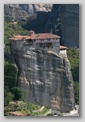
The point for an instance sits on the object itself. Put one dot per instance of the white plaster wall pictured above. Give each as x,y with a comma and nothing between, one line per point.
63,53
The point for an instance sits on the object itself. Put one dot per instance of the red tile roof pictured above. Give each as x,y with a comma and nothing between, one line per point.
62,47
44,36
19,37
36,36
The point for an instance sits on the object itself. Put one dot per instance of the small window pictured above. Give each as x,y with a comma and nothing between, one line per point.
48,39
29,41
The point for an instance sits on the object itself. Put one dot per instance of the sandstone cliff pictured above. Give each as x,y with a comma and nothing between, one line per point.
45,77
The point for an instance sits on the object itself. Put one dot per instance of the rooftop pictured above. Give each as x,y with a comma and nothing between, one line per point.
19,37
36,36
44,36
63,47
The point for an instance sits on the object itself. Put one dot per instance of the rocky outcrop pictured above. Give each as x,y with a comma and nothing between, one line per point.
53,24
25,12
15,11
45,77
70,24
33,8
60,19
64,21
37,22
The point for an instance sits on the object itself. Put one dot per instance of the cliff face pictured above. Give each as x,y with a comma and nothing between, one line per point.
60,19
53,24
70,24
64,21
25,12
31,16
45,77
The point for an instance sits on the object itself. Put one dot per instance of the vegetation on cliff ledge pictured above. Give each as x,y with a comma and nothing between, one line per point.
28,108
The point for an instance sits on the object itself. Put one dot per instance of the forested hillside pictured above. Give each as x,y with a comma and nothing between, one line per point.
73,56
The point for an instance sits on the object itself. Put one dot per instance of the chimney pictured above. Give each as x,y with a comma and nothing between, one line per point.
31,32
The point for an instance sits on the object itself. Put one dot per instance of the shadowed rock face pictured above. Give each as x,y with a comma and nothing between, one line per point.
64,21
45,77
25,12
31,16
60,19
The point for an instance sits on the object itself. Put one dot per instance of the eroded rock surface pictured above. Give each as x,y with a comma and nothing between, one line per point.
64,21
60,19
45,77
25,12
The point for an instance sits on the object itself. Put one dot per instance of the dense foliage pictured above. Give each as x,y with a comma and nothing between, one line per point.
76,92
11,91
11,28
73,56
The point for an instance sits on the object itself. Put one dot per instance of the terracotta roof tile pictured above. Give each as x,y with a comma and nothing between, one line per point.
36,36
62,47
44,36
19,37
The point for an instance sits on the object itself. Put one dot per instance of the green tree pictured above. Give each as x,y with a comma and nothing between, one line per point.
11,90
73,56
18,92
11,29
8,96
76,92
10,75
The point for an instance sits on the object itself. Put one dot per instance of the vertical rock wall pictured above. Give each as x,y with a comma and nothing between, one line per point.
64,21
45,78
